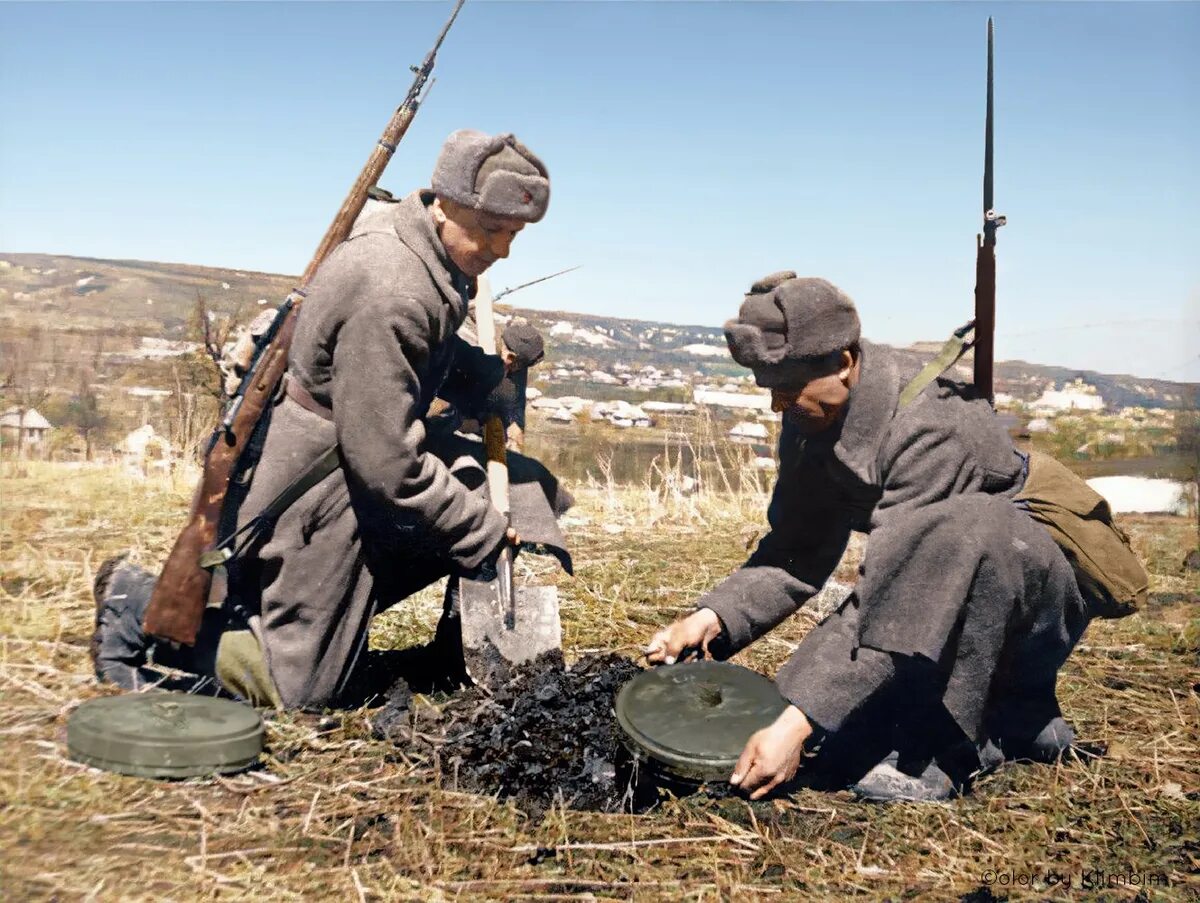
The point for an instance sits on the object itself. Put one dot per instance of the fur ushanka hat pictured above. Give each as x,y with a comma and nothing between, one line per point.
493,173
786,323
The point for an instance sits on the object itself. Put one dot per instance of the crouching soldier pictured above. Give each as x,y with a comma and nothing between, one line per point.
375,343
521,348
944,659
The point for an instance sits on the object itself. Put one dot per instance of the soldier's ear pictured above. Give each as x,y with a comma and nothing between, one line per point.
439,213
846,366
850,365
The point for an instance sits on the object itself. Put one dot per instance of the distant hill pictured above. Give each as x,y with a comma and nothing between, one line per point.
131,298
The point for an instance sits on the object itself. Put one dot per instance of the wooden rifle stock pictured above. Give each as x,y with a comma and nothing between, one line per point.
181,594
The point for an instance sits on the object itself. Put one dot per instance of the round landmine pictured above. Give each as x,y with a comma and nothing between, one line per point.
165,735
691,721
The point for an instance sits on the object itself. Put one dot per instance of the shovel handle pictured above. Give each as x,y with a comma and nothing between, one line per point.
494,441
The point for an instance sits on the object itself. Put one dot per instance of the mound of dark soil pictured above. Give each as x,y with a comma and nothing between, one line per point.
548,734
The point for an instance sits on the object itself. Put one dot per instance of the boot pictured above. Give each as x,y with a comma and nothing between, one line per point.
1031,726
119,648
888,782
1054,741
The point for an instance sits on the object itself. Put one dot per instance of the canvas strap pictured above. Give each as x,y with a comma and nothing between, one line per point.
956,346
235,542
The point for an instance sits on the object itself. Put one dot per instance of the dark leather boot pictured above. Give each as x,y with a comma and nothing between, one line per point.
119,648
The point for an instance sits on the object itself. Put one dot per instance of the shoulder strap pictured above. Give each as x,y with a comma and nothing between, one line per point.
232,544
956,346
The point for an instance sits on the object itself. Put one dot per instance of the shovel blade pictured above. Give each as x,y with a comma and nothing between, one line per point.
491,648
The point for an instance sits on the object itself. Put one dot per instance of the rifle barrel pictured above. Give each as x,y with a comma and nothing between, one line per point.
381,155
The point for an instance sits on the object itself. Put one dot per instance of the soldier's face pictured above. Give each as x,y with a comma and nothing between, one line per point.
474,240
818,403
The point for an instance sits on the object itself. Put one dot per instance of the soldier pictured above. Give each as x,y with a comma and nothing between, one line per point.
965,608
521,348
375,343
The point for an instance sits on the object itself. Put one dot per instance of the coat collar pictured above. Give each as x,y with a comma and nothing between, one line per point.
415,228
873,403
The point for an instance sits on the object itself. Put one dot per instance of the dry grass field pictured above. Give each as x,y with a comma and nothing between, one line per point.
335,814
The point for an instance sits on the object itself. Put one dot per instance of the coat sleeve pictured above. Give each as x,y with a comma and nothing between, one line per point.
473,376
381,363
809,532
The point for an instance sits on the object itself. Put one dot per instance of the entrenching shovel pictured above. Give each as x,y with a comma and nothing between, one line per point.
503,625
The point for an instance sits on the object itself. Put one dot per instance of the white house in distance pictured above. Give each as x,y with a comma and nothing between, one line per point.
738,400
705,350
621,414
1074,396
1039,425
668,407
144,451
26,427
748,432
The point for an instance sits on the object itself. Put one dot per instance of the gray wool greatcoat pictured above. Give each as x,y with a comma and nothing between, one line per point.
955,574
375,342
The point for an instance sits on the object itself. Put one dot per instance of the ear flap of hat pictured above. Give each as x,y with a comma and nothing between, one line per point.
515,195
527,154
820,317
748,346
772,282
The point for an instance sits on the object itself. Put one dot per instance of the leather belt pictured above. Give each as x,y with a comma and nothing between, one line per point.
303,397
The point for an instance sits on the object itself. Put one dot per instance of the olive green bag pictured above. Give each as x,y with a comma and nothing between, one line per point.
1081,523
1076,516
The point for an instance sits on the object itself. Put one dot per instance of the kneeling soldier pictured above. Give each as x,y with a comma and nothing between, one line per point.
375,343
944,659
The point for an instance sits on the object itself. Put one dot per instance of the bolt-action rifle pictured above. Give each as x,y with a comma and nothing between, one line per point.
181,594
517,288
985,256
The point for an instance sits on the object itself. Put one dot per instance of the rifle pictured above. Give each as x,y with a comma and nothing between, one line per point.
181,593
985,256
517,288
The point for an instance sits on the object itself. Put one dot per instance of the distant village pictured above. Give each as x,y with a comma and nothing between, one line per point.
739,395
743,411
613,378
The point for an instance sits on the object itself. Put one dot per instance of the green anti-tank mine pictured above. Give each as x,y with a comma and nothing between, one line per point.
165,735
691,721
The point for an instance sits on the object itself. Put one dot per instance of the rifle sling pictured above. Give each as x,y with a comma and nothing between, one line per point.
956,346
233,544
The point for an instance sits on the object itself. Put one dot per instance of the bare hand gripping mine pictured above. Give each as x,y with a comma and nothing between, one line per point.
181,594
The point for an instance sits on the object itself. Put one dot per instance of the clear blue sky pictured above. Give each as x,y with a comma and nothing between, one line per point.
693,147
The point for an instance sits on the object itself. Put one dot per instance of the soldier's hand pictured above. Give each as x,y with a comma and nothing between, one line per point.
516,438
687,635
511,364
513,537
772,754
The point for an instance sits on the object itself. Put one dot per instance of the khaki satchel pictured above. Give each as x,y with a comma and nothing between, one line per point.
1077,517
1081,523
